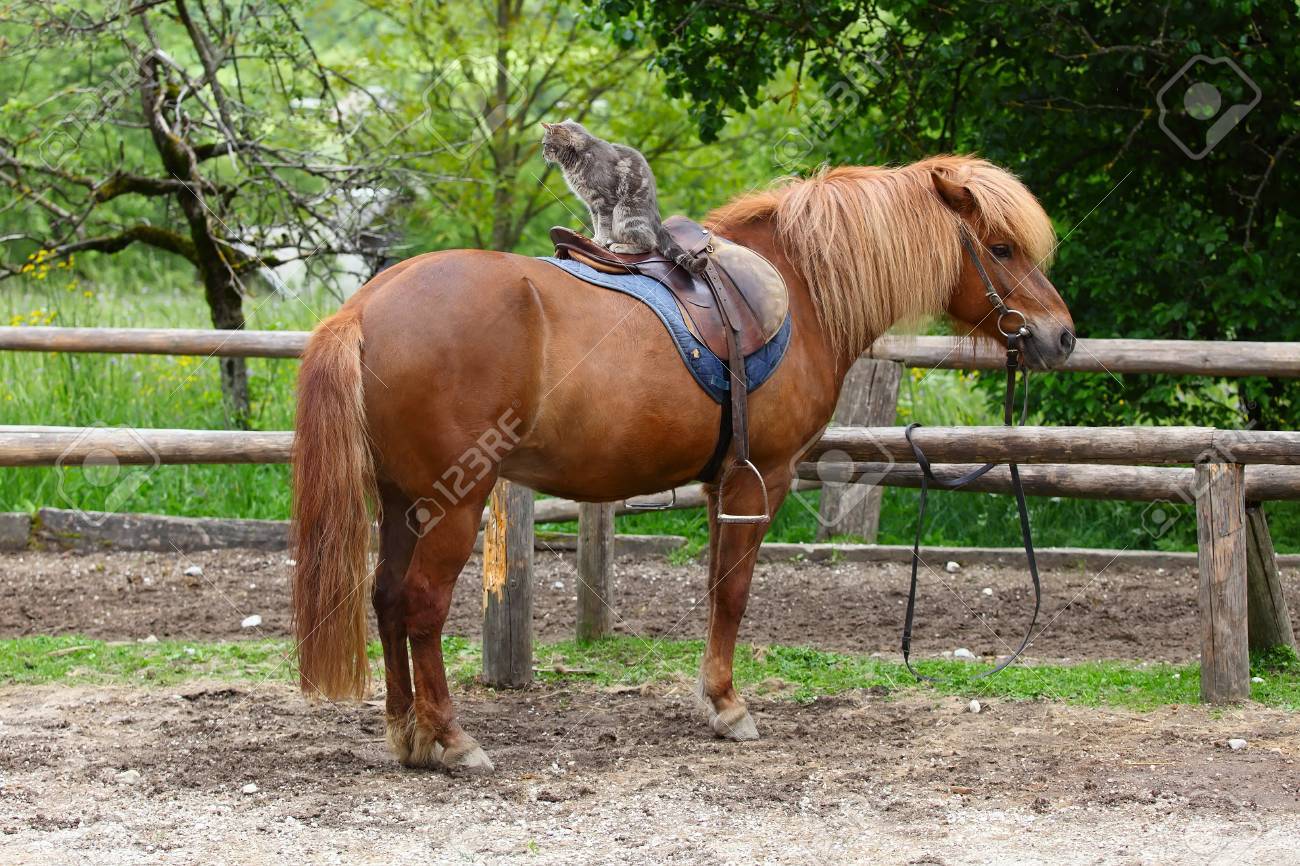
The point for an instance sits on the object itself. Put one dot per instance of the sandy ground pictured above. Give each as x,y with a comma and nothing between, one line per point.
94,775
603,776
1114,613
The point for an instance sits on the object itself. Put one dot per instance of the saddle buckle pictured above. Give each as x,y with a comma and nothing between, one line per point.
723,517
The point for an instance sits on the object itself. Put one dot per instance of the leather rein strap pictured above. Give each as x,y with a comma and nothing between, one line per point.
1014,353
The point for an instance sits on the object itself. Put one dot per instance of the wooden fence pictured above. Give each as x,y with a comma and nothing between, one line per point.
1239,580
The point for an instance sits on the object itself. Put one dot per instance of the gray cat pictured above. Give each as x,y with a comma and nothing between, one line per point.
616,184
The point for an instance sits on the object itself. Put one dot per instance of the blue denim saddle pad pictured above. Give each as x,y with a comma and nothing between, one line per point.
706,367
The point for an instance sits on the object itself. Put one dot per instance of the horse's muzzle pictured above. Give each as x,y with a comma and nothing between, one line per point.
1048,347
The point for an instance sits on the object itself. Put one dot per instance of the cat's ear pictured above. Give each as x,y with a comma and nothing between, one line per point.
547,126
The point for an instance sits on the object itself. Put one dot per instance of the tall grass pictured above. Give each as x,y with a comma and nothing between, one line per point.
164,391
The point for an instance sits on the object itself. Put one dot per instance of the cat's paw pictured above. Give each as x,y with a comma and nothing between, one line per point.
627,248
694,264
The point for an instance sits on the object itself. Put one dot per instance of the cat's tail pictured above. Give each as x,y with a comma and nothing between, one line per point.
672,250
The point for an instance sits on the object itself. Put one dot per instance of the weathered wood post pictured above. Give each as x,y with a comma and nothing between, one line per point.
1221,542
1266,610
508,587
595,570
869,399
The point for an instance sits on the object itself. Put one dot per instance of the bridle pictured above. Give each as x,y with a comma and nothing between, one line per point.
1014,352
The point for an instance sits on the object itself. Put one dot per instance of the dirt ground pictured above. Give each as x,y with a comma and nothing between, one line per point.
101,776
96,775
1118,612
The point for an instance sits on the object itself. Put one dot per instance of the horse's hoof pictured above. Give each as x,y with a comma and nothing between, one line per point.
468,757
735,724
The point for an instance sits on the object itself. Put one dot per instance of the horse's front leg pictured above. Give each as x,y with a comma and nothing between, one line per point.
733,549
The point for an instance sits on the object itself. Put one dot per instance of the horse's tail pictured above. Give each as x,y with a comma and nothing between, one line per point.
333,475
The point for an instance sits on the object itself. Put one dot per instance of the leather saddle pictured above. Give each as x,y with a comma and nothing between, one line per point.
755,291
735,306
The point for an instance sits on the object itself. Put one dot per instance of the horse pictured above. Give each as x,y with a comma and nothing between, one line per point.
455,368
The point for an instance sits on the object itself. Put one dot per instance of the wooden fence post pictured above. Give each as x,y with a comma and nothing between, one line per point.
508,587
869,399
1221,541
1266,610
595,570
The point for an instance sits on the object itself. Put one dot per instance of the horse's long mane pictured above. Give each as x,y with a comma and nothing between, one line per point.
877,245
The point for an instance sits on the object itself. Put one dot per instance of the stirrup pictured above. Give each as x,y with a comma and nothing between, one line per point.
723,517
653,506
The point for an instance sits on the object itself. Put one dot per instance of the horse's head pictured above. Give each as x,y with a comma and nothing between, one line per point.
1006,241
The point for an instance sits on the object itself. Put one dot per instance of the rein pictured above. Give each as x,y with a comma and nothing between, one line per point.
1014,353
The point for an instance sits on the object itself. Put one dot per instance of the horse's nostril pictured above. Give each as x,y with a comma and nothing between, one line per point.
1067,341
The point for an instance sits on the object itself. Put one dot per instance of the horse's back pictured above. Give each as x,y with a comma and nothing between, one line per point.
584,384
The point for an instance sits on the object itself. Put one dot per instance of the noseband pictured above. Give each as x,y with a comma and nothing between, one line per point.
1014,351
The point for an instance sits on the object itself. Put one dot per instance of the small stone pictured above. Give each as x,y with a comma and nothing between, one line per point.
1257,680
128,777
1236,744
250,788
194,571
975,707
559,584
962,653
952,567
153,638
988,590
251,621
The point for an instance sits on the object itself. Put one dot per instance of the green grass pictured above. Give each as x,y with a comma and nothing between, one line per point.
781,672
163,391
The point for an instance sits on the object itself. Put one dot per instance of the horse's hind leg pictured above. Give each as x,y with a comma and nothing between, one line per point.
733,550
396,544
434,736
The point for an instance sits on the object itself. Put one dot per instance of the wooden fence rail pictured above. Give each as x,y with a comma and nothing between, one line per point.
1121,446
1239,580
156,341
1219,491
1172,357
1072,481
1164,357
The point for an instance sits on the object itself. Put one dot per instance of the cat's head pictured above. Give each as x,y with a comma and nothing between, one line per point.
563,139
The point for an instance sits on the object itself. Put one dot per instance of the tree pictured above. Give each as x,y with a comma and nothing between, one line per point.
477,79
211,131
1175,222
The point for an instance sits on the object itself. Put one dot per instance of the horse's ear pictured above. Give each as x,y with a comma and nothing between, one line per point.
954,193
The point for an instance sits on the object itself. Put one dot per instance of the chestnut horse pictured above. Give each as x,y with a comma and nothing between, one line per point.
452,369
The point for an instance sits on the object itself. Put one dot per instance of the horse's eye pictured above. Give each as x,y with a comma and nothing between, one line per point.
1001,251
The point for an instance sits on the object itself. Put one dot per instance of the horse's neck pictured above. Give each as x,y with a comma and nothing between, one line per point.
760,236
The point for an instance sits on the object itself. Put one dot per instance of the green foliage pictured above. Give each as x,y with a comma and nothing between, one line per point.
1275,660
781,672
1156,244
473,88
